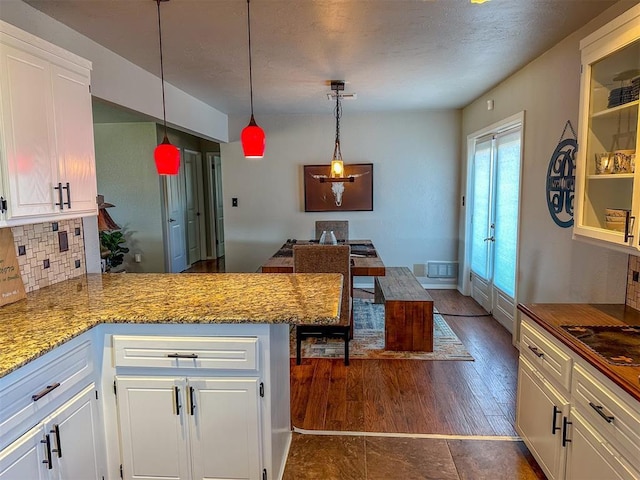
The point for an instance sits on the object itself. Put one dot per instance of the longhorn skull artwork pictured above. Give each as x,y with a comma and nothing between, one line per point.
337,188
325,194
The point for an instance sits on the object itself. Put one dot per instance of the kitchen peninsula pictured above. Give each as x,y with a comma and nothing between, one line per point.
199,364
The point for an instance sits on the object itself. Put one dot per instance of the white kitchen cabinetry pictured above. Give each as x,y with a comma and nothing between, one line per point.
609,125
64,446
577,423
47,154
542,410
182,428
190,407
589,457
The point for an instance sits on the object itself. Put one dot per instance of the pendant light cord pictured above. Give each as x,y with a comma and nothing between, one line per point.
250,71
338,113
164,110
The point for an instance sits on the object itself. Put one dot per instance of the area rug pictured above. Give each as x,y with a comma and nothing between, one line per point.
368,339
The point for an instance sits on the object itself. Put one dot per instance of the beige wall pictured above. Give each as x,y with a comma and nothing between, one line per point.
416,175
127,178
552,266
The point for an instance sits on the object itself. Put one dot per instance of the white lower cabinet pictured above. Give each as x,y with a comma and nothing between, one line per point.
189,427
579,425
541,419
64,446
590,458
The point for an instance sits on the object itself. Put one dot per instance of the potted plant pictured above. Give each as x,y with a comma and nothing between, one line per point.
112,248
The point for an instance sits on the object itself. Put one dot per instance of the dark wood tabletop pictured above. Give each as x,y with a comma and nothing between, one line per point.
365,261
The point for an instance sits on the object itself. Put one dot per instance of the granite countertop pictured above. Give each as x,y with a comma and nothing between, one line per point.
551,316
53,315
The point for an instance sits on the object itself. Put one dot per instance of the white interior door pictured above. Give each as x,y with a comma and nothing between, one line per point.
494,221
175,217
219,211
192,205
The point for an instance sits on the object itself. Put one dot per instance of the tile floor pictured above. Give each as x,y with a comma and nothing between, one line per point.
344,457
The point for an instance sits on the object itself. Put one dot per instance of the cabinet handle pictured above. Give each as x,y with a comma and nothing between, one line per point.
565,423
48,461
556,411
600,411
628,225
47,390
536,352
68,189
182,355
58,449
192,404
3,204
176,391
60,202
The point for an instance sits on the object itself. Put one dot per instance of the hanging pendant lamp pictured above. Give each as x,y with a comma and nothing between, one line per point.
252,136
166,155
337,165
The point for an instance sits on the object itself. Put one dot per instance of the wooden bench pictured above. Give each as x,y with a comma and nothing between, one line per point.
408,311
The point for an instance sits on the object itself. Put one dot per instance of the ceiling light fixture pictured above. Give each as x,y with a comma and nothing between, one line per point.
252,136
479,1
166,155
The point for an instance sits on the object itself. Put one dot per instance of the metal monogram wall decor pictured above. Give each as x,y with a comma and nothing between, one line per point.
561,179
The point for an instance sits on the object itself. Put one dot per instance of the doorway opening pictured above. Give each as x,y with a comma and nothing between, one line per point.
193,212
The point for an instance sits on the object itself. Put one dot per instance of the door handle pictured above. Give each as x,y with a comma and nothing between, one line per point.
490,239
171,220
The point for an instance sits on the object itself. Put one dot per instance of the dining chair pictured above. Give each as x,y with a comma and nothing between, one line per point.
340,228
326,259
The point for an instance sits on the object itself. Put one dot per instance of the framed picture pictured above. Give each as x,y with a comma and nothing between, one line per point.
355,193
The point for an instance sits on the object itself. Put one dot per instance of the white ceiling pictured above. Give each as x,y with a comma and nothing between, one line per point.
395,54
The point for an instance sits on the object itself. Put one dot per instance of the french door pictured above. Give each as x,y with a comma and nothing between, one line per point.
495,194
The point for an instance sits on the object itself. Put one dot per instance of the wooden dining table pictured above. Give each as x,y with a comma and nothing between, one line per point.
365,260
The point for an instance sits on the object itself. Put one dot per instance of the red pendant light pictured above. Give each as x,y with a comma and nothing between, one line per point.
252,136
166,155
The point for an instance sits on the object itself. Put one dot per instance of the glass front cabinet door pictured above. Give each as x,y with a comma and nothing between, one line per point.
607,200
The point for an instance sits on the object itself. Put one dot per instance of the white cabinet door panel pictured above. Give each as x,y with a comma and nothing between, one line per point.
538,422
224,428
27,108
23,458
152,426
74,438
74,139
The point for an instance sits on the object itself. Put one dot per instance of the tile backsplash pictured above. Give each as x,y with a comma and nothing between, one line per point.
633,283
49,252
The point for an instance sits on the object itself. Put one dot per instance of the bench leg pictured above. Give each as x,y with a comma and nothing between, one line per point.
298,348
346,349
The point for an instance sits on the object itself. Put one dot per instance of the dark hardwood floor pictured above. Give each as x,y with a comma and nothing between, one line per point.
412,396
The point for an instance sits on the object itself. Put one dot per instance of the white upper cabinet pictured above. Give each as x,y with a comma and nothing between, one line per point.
607,200
47,155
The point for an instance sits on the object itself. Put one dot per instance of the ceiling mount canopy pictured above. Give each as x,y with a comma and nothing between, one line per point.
166,155
252,136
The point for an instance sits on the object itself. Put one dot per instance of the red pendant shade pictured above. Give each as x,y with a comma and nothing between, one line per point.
167,157
253,140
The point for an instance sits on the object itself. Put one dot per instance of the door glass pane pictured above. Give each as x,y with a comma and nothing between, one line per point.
481,208
506,211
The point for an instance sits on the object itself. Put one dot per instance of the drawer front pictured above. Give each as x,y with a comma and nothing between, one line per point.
43,385
228,353
615,419
546,356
